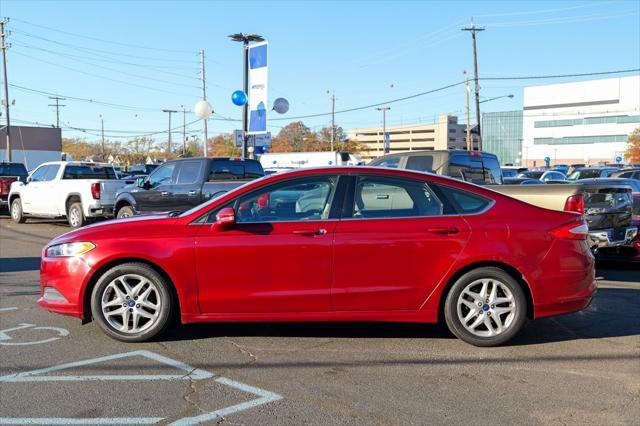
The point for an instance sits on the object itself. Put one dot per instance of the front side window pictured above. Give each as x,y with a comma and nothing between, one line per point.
52,172
189,172
297,200
380,197
392,162
421,163
39,174
162,175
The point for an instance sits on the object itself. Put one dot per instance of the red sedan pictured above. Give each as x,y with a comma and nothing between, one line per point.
333,244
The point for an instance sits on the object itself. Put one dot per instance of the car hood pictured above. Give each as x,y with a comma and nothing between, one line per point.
125,227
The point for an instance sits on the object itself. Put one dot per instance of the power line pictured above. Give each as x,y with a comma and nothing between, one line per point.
100,51
102,77
541,12
567,20
58,106
586,74
103,40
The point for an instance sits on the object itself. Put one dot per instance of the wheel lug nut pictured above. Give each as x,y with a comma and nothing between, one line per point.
128,297
124,304
135,298
480,304
493,306
489,313
137,306
130,309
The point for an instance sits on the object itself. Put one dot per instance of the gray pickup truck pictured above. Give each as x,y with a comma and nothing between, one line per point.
179,185
607,206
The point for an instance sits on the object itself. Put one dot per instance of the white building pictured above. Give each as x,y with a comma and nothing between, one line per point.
580,122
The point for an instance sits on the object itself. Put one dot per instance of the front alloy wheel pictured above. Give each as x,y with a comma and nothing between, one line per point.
131,302
485,307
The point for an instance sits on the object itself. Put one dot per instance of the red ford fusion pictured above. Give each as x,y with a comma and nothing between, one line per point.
332,244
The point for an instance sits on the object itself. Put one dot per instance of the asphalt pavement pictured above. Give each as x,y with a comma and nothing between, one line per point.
582,368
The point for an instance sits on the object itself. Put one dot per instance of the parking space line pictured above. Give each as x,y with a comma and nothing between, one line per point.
8,309
75,421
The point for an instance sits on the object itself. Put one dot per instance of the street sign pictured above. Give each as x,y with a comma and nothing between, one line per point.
263,139
237,137
387,143
618,159
547,160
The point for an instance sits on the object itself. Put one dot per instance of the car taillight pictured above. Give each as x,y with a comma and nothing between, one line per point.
575,203
95,190
576,230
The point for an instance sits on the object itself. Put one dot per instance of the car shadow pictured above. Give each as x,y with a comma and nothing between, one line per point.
622,272
19,264
614,313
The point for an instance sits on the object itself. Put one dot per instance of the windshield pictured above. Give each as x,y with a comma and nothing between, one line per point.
584,174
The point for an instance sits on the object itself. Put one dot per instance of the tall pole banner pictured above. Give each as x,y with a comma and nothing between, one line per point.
258,73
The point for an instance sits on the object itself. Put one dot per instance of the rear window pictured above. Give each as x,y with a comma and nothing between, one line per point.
234,170
189,172
464,202
12,169
392,162
584,174
89,171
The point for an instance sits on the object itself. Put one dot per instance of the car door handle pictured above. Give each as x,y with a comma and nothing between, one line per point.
164,193
309,232
193,192
443,230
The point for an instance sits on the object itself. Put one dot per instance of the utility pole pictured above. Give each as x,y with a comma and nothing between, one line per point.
58,106
386,147
5,47
245,39
333,118
102,132
468,91
204,98
473,30
184,130
169,111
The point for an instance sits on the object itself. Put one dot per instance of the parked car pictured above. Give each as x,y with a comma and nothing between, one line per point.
521,181
512,171
609,209
543,175
179,185
330,244
76,190
563,168
591,172
142,169
9,173
633,173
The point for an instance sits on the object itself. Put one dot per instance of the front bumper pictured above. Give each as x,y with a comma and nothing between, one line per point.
612,237
62,281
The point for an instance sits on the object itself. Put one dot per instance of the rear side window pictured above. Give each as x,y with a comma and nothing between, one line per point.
88,171
378,197
189,172
421,163
464,202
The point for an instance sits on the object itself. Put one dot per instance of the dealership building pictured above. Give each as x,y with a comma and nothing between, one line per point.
579,122
446,133
32,146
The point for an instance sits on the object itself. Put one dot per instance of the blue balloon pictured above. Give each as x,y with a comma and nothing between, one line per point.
239,98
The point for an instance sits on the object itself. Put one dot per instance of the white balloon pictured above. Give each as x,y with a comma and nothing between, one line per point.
203,109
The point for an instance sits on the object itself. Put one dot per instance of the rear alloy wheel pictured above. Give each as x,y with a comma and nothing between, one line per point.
16,211
485,307
125,211
75,216
131,302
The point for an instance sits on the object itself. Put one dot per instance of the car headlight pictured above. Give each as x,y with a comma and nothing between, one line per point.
70,249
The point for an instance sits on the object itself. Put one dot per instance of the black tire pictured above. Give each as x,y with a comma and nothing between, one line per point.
165,299
75,216
16,211
125,211
515,324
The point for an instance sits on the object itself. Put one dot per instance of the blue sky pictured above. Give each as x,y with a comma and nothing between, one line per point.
365,51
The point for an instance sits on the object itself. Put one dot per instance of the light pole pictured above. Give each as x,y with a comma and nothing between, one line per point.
169,111
386,146
245,39
333,117
184,130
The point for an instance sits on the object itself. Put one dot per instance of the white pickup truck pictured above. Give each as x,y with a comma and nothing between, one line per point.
76,190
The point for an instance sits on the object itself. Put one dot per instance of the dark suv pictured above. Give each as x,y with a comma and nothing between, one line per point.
179,185
472,166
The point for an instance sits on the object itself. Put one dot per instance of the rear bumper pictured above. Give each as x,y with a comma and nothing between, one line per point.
4,201
100,211
612,237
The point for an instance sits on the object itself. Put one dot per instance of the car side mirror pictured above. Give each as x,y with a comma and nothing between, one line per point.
28,179
140,182
225,218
